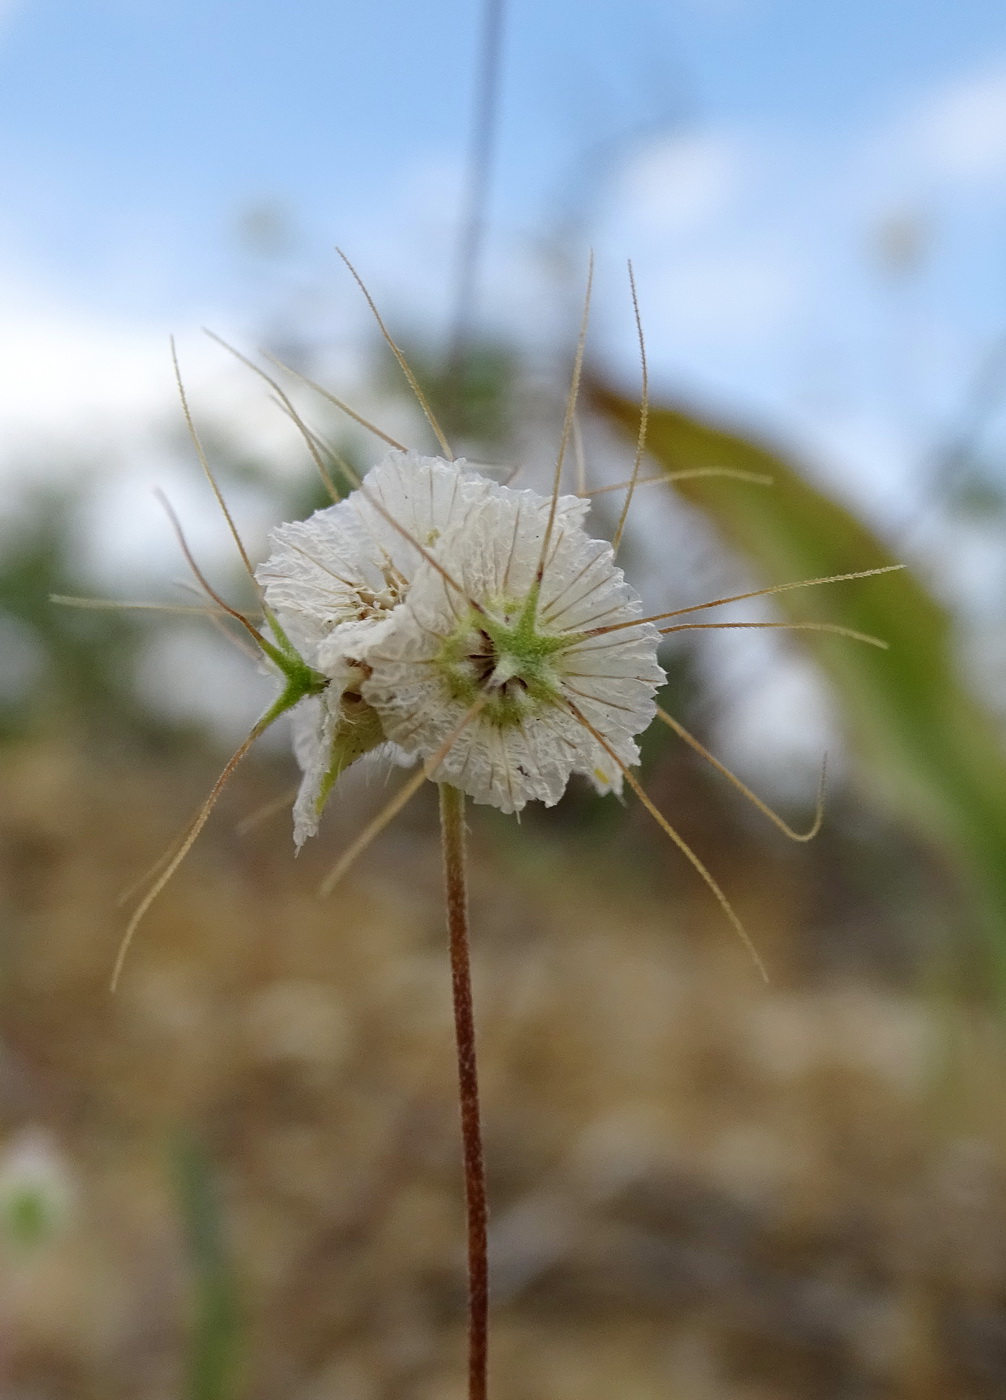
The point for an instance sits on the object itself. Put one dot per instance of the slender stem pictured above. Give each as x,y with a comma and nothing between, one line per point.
452,826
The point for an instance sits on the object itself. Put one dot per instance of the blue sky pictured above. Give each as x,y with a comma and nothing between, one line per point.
154,122
759,157
774,142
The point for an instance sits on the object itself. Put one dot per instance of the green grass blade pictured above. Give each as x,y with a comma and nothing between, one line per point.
213,1337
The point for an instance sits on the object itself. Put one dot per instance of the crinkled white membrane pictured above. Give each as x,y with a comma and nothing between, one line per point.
365,608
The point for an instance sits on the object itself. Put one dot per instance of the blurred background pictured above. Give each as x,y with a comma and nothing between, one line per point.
239,1178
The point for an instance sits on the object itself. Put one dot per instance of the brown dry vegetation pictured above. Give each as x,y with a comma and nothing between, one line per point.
701,1187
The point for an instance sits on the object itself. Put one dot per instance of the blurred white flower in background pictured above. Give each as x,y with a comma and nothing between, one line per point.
37,1192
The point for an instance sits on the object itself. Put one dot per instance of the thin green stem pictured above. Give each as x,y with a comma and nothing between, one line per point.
452,826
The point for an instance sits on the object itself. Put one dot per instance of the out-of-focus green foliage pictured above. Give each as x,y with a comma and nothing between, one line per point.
70,664
473,398
928,746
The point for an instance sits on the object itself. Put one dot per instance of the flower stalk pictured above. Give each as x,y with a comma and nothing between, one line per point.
452,826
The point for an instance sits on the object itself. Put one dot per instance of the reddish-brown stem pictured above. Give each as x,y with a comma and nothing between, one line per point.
452,826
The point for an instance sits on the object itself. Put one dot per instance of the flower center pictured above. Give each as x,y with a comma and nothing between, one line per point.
501,656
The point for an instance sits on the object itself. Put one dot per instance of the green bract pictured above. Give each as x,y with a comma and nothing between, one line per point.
512,663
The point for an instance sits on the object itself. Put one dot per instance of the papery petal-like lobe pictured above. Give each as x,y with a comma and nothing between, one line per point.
312,723
405,594
348,562
610,679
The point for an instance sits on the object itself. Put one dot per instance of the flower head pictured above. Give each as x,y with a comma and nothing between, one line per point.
437,616
437,602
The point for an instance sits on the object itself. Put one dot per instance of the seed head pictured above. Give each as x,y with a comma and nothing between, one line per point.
422,597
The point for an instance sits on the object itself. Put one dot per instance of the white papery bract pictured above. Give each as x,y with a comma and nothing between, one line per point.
413,640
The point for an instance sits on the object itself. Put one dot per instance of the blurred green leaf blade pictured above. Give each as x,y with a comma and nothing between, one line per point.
215,1329
929,747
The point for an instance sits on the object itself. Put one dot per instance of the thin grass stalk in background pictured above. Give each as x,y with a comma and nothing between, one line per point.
473,220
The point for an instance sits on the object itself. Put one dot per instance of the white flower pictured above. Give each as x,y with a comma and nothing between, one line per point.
413,640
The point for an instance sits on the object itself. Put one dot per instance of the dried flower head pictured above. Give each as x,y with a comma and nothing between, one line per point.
423,598
436,616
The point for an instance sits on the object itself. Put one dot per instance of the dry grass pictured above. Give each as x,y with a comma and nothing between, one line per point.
701,1188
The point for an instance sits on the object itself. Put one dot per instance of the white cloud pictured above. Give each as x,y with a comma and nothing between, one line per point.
679,184
87,394
81,388
737,296
962,130
64,376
